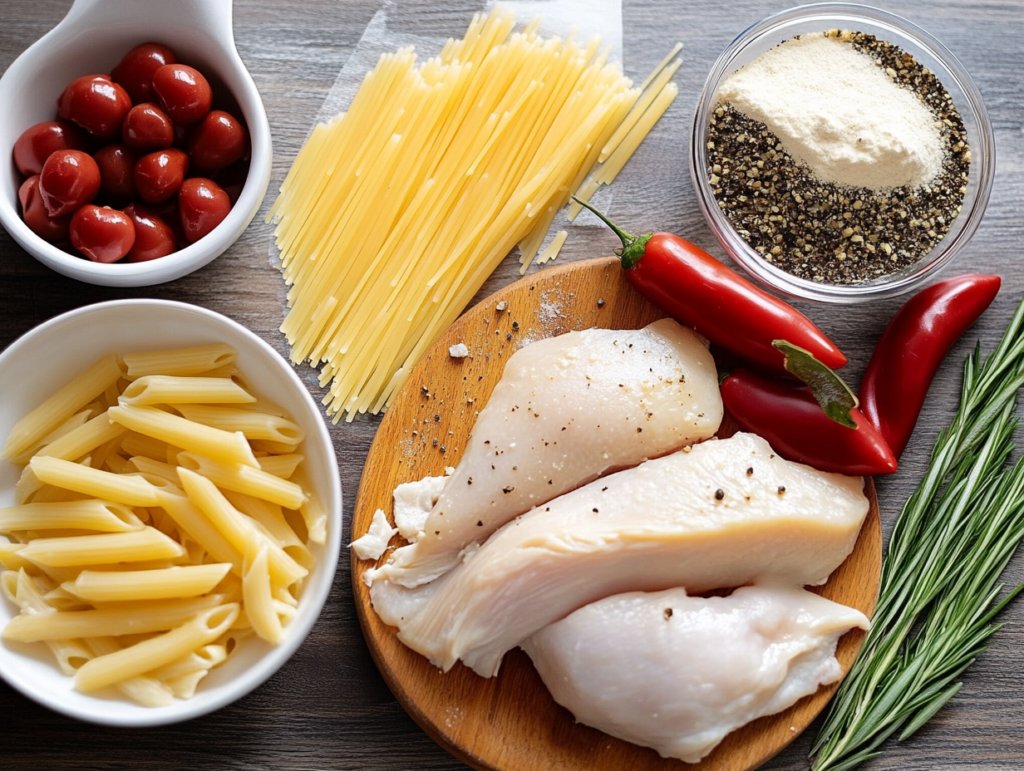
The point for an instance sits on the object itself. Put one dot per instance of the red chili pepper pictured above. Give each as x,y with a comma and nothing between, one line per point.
913,346
699,291
787,415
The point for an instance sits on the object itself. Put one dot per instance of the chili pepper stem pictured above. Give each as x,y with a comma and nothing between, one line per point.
632,246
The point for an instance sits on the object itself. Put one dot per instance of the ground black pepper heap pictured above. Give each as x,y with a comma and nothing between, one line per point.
826,232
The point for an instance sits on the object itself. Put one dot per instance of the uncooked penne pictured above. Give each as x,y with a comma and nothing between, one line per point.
313,512
267,514
142,689
91,514
133,618
127,585
237,528
245,479
57,408
258,600
138,659
196,360
190,519
199,660
123,560
255,425
169,389
84,439
131,490
70,653
282,465
147,466
210,442
135,444
103,549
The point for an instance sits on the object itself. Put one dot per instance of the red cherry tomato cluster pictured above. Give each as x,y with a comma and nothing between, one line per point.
137,165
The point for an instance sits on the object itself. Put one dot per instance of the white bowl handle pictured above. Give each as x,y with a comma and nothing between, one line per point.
211,16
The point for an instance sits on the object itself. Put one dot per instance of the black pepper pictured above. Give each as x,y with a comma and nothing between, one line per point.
831,233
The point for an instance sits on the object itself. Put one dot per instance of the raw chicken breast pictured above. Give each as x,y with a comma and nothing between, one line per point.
566,410
724,513
678,673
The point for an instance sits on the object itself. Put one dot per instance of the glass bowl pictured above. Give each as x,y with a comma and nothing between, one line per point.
931,54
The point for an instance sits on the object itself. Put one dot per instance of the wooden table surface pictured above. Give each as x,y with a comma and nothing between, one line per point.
328,707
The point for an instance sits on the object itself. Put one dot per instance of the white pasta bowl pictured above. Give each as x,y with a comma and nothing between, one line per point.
92,38
45,358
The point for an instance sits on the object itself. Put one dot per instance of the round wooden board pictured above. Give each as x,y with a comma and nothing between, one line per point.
510,722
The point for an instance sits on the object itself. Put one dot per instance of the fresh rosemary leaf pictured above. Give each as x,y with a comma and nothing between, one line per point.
940,590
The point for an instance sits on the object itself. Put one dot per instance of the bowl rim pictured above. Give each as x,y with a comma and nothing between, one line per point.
193,256
316,591
982,147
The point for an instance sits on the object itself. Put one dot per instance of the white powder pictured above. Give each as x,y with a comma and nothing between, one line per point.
838,112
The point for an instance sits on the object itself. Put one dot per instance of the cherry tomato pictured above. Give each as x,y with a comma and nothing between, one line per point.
184,93
218,141
69,179
117,170
147,128
168,212
181,136
203,206
102,234
52,229
232,179
153,237
135,71
159,175
95,103
37,142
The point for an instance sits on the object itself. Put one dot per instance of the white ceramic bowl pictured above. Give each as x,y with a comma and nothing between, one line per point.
43,360
926,49
92,38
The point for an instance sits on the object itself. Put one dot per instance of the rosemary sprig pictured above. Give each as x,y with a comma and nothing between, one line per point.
939,594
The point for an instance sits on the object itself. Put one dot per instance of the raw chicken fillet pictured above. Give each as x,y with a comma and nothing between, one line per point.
723,513
678,673
566,410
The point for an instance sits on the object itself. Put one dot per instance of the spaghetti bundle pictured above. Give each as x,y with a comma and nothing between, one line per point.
395,212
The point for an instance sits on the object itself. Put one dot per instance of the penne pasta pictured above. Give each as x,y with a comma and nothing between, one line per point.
142,689
127,585
256,593
138,659
106,548
196,360
10,557
213,443
131,618
268,515
92,514
255,425
192,521
131,490
282,466
28,595
122,554
312,511
200,660
68,400
168,389
237,528
135,444
149,467
244,479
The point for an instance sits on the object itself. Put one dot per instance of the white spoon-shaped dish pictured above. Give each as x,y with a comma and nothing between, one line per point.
91,39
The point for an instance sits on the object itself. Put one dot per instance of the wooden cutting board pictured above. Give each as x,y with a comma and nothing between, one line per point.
510,722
